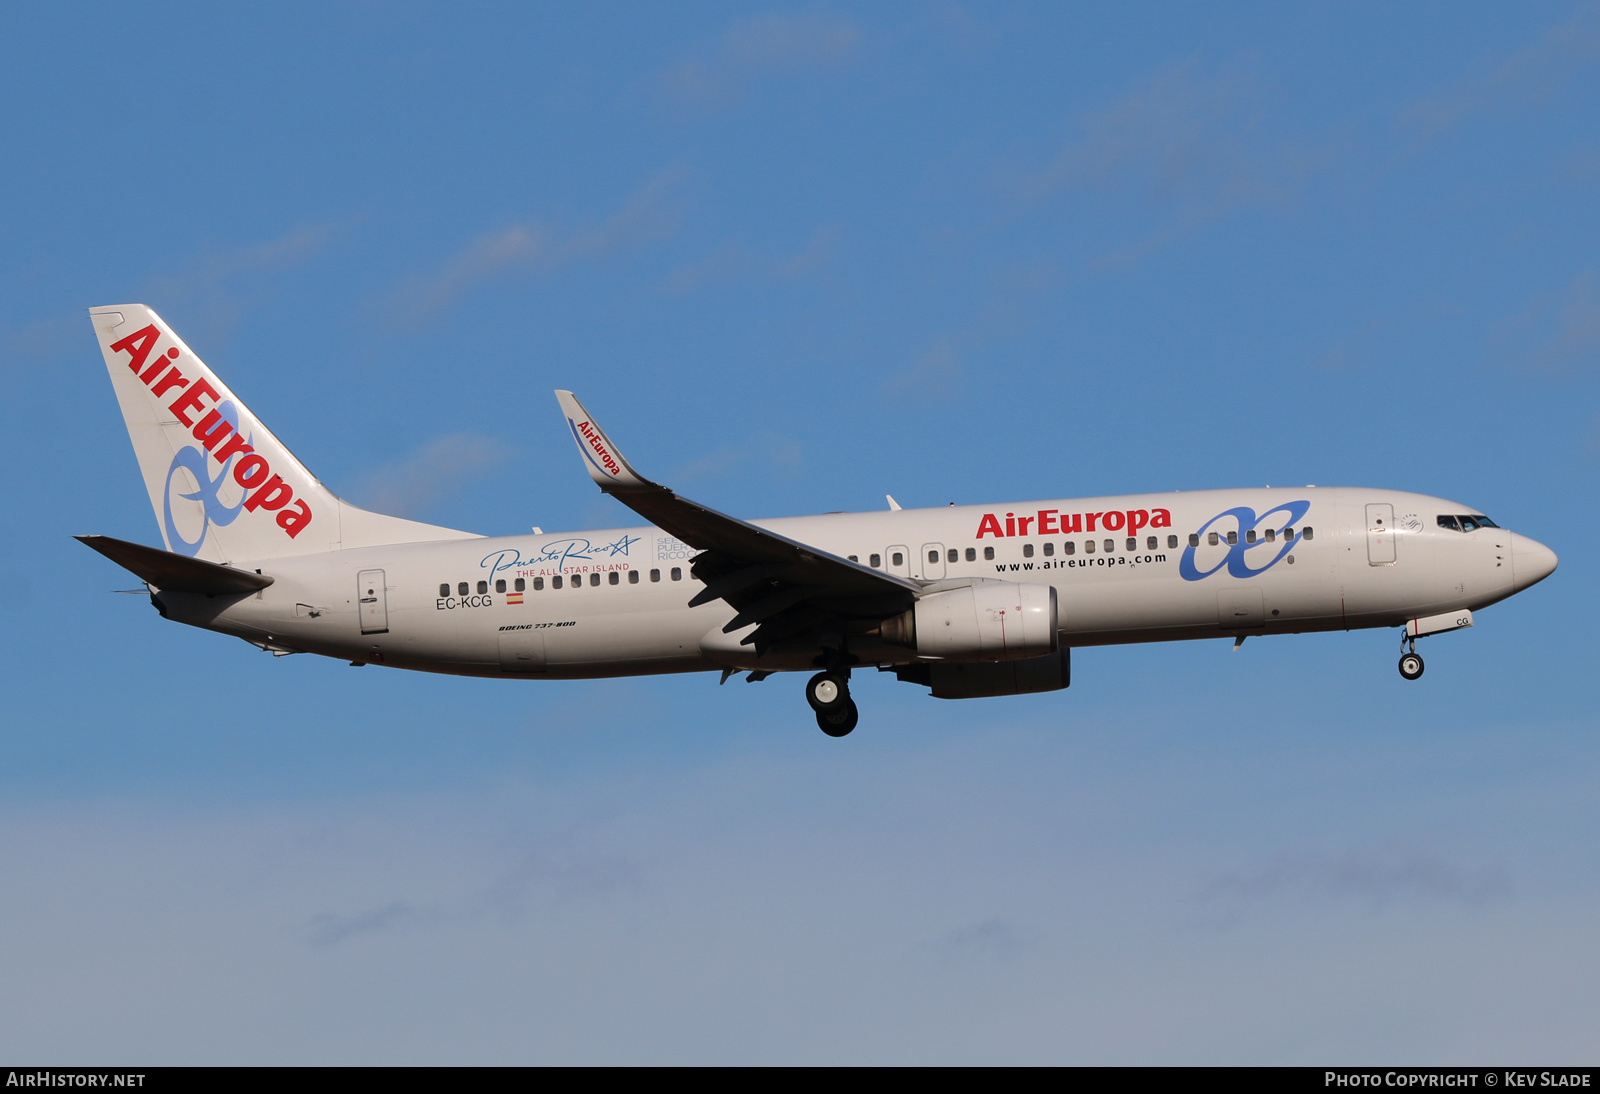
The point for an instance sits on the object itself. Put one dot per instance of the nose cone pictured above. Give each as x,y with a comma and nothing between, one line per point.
1531,562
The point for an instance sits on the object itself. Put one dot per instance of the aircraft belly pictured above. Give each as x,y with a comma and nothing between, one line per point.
621,636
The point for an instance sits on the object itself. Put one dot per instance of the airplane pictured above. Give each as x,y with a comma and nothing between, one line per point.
969,601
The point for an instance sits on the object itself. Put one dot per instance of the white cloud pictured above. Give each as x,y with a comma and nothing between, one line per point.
735,262
760,46
1553,332
759,455
998,896
1374,876
647,215
1526,78
935,374
433,473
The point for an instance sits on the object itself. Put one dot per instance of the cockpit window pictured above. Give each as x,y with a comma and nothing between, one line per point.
1465,522
1447,521
1483,521
1468,524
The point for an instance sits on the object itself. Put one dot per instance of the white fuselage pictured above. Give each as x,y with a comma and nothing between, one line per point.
1339,558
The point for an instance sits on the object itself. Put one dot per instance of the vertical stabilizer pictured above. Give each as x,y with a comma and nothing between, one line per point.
222,486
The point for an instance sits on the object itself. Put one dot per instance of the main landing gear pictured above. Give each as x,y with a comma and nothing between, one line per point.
829,695
1410,661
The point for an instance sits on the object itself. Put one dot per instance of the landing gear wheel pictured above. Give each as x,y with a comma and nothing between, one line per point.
1410,666
828,693
840,721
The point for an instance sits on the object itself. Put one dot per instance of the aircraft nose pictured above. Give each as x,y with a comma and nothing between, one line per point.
1531,561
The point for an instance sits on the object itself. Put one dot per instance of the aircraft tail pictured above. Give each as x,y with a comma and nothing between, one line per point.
222,486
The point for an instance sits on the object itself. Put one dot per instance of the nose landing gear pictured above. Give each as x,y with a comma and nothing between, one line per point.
1410,662
829,695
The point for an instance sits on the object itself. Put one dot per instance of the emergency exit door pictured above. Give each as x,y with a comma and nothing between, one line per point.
1380,534
899,559
373,602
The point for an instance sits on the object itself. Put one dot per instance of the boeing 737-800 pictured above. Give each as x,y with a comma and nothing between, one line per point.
969,601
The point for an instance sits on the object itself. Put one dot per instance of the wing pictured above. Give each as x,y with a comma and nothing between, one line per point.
796,593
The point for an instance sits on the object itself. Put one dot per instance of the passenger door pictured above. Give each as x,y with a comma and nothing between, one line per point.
373,601
931,561
1380,534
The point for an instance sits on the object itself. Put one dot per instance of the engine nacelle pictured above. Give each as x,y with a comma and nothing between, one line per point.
984,621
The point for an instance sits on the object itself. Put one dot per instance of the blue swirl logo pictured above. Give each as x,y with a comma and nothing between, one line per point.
1235,560
213,511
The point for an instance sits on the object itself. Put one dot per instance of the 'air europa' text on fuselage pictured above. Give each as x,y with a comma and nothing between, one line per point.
1053,522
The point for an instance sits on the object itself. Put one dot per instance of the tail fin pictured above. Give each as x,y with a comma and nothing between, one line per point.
223,487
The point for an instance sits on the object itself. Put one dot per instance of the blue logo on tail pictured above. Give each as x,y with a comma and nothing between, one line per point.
214,512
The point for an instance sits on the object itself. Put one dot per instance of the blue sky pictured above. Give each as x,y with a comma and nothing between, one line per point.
796,258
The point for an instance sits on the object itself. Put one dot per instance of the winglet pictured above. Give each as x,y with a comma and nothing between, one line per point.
605,464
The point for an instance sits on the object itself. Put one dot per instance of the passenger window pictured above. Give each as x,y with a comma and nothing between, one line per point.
972,554
1068,547
933,556
897,559
500,585
555,582
1027,550
1111,545
1133,543
538,584
1150,543
1447,521
1288,532
1049,549
594,579
954,555
1172,543
633,577
677,573
1088,546
461,589
1305,533
444,590
853,558
874,561
988,553
1233,537
521,585
1271,535
483,587
1194,540
1211,538
615,578
1250,536
655,575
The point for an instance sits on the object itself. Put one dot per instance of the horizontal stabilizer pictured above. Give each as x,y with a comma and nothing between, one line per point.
177,573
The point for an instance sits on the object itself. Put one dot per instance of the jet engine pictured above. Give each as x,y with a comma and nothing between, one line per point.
984,621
